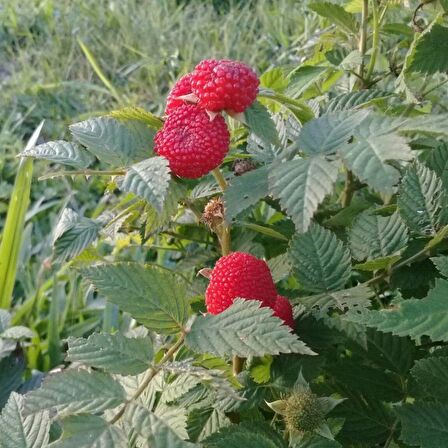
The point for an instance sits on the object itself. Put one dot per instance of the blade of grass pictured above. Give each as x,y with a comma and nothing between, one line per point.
97,69
14,225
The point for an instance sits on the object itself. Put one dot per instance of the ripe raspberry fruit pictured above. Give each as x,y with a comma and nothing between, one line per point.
283,309
224,85
192,143
239,275
182,87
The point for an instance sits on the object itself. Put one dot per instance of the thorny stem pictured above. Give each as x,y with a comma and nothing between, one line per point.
375,40
224,239
82,173
149,376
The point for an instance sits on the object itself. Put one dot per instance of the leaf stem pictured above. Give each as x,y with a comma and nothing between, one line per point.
82,173
152,372
375,41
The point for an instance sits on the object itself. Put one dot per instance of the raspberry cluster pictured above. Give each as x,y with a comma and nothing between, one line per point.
194,138
243,275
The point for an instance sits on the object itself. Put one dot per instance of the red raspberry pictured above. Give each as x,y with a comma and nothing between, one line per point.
239,275
224,85
192,143
283,309
182,87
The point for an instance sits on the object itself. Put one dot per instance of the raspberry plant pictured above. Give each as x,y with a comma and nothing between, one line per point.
341,189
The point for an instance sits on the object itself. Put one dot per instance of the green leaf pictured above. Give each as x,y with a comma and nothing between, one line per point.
60,151
137,113
261,124
356,100
301,185
390,352
113,353
432,375
115,142
347,299
155,299
18,431
178,387
438,162
264,230
153,428
149,180
420,199
320,261
245,191
367,157
13,229
280,267
326,134
335,14
413,317
372,236
441,263
74,240
370,382
274,79
246,434
90,431
75,392
205,421
243,329
304,77
430,51
11,371
424,424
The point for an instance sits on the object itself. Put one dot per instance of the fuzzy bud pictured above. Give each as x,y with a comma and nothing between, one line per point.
213,214
303,412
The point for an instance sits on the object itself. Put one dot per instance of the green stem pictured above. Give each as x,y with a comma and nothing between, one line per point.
83,173
363,36
375,40
152,372
349,189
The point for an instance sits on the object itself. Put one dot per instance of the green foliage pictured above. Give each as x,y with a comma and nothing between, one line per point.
60,151
428,50
87,431
345,198
421,199
301,185
243,329
112,353
320,260
412,317
115,142
424,425
20,431
75,392
149,180
154,298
